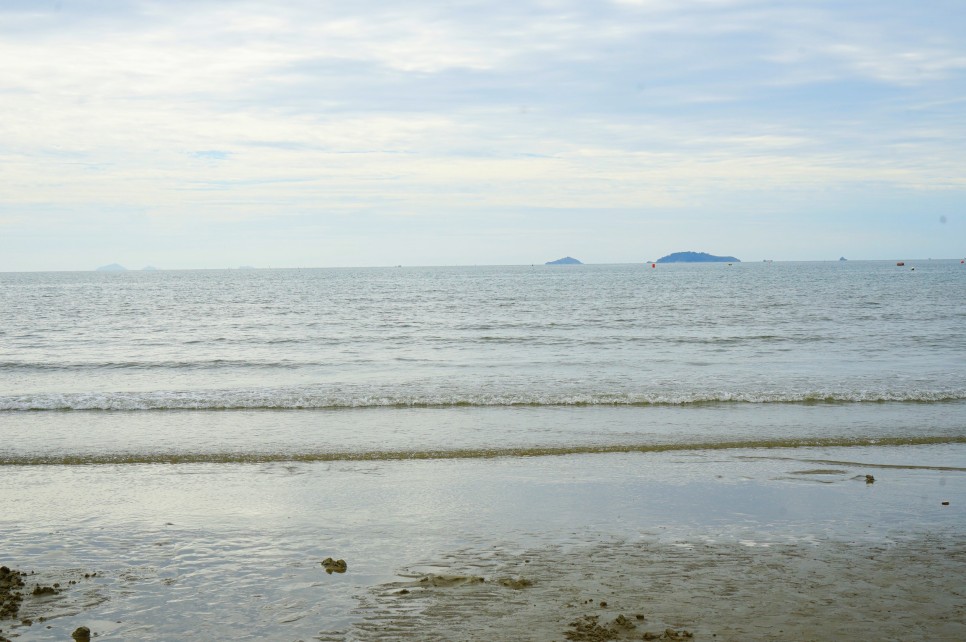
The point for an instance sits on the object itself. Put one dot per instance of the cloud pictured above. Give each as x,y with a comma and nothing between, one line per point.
218,113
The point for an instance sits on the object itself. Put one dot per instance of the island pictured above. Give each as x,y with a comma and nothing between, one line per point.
113,267
696,257
567,260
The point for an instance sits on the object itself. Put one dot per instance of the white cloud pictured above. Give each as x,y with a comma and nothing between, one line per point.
221,113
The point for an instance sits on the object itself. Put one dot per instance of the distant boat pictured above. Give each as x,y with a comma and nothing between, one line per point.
901,263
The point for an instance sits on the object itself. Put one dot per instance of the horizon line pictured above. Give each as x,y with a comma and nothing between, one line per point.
246,268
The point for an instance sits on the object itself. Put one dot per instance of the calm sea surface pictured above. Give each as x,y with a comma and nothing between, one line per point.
476,360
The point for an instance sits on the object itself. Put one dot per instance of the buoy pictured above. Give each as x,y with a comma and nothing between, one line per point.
901,263
653,265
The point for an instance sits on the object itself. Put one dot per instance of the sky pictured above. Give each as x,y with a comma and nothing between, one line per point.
221,133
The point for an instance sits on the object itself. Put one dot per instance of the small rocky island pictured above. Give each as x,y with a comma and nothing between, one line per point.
113,267
567,260
696,257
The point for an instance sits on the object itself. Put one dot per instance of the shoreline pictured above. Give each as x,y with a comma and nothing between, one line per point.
176,458
190,436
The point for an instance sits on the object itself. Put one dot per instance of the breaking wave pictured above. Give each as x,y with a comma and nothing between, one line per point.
300,399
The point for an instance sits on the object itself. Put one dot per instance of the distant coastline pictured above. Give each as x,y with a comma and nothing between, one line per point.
666,259
696,257
567,260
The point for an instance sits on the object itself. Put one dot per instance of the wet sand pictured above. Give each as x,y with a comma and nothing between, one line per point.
748,544
914,590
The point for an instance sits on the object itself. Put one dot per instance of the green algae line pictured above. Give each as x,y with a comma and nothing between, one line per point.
94,459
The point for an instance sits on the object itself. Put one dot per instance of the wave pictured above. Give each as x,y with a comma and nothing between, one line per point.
471,453
199,364
302,399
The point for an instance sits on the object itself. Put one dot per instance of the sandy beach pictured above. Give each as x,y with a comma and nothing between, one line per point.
911,590
749,544
631,591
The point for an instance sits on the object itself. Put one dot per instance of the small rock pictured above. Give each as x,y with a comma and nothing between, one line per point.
623,622
519,583
44,590
334,566
81,633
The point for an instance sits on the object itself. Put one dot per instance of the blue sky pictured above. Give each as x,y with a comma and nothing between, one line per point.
217,133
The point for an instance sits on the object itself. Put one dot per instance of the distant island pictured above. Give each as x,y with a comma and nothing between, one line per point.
567,260
113,267
696,257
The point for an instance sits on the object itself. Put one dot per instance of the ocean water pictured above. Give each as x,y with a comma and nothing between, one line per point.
476,360
202,439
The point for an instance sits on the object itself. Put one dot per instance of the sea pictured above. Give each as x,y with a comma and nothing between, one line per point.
236,365
173,428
